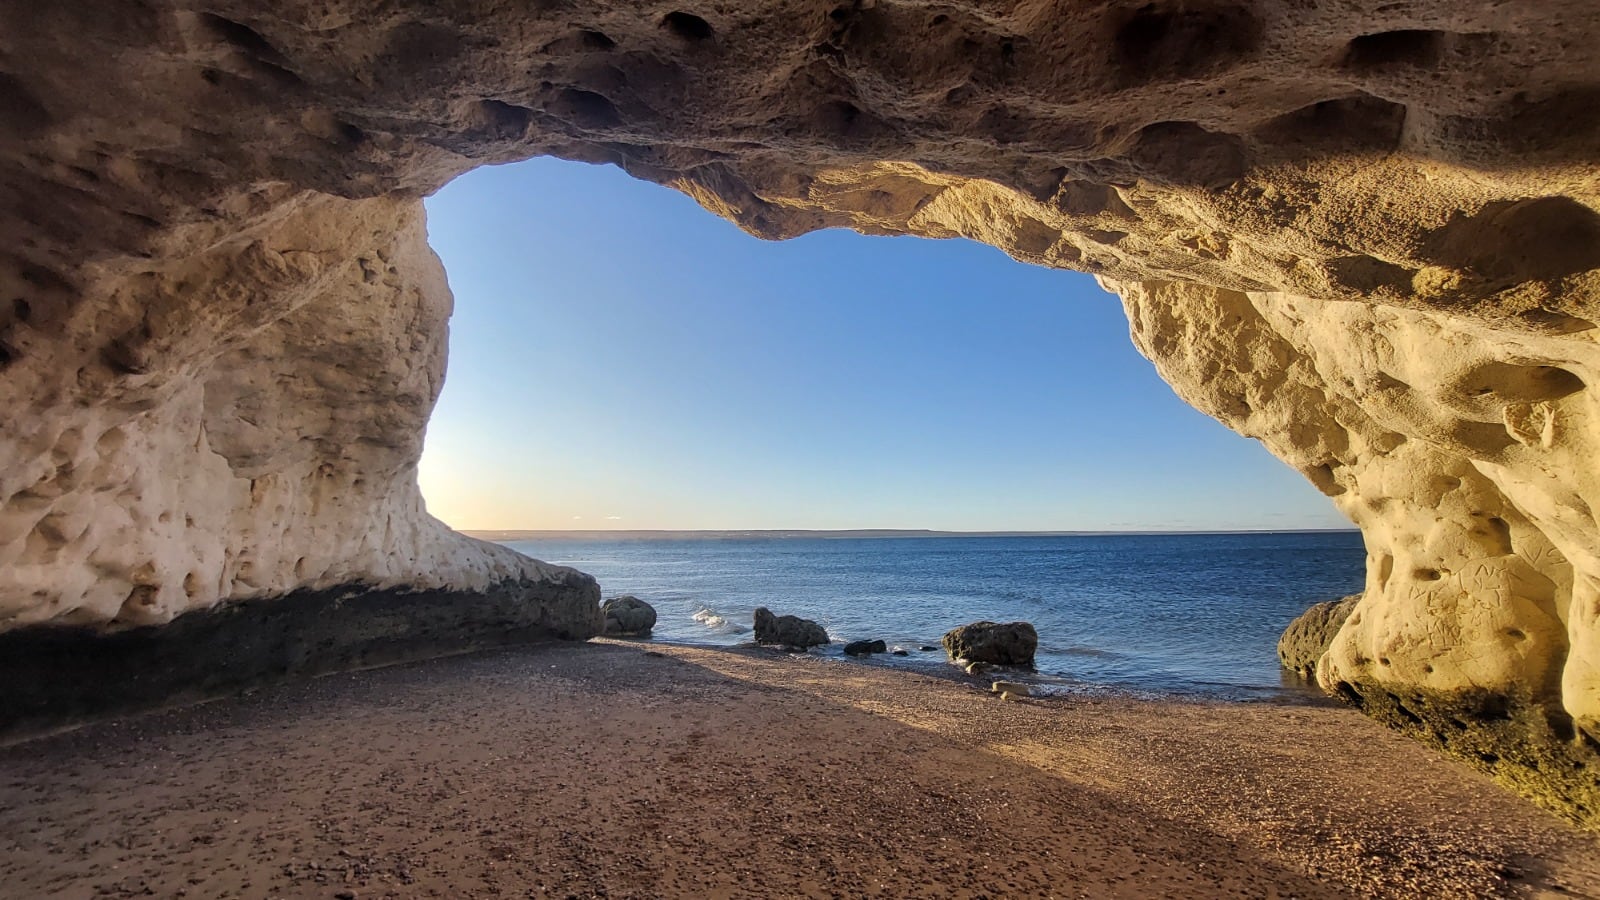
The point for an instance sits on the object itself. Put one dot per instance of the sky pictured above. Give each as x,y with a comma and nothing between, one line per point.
622,359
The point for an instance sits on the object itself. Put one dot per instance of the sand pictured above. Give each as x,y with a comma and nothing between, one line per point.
616,769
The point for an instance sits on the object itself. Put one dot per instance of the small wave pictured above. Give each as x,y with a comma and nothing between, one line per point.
712,620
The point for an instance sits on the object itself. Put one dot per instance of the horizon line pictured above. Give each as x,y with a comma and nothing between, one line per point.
506,533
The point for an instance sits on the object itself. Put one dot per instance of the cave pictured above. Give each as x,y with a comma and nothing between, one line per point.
1366,237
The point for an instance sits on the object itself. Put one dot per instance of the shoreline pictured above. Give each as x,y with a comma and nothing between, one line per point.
937,664
634,769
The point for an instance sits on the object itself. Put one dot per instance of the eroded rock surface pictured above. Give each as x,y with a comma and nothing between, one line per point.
1363,233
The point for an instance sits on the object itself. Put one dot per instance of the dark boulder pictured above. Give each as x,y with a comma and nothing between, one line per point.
628,615
863,648
1005,644
790,631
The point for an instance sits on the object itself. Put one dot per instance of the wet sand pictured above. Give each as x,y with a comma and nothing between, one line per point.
637,770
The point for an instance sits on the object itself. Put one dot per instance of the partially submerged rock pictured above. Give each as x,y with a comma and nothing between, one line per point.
1308,636
789,631
628,616
865,648
1005,644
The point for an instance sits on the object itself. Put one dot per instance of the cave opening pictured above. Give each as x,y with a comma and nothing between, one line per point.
629,371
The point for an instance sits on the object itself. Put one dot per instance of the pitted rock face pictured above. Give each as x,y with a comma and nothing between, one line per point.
1363,233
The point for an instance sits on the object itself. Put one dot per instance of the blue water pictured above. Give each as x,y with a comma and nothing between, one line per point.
1190,613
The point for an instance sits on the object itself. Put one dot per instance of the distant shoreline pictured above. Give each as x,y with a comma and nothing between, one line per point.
829,534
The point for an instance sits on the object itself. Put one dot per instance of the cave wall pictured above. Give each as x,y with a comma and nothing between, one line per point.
1364,233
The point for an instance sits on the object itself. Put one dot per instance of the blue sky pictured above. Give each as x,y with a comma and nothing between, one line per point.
621,358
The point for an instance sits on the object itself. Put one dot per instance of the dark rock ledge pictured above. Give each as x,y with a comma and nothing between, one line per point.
57,675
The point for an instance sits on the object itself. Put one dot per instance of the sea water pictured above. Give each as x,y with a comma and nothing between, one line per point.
1164,613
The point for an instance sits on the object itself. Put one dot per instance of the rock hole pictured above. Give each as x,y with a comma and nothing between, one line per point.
585,109
1426,574
1494,708
1347,124
1551,321
1487,757
1400,707
500,119
1184,154
1407,47
22,309
8,355
126,356
141,598
1428,670
1383,660
1163,41
110,442
191,585
1561,727
46,279
1349,694
1514,383
210,76
1507,242
20,111
1322,478
244,38
691,27
1516,634
1367,275
596,40
1500,534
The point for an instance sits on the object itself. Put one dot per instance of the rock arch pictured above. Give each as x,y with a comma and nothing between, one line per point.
1365,235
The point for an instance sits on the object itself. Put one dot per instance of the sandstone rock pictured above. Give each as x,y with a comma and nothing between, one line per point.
864,648
1308,636
1363,233
789,631
1008,644
628,615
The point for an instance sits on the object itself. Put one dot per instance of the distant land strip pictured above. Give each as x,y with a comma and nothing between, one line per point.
599,534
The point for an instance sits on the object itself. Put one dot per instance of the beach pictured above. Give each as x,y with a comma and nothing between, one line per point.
621,769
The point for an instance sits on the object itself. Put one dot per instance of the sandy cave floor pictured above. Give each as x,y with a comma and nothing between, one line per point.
638,770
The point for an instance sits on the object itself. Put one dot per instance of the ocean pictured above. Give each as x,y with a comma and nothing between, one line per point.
1195,614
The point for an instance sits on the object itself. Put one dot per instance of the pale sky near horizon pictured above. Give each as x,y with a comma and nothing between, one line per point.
621,358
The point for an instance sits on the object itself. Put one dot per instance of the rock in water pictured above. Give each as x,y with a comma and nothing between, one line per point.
1308,637
790,631
1008,644
628,615
863,648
